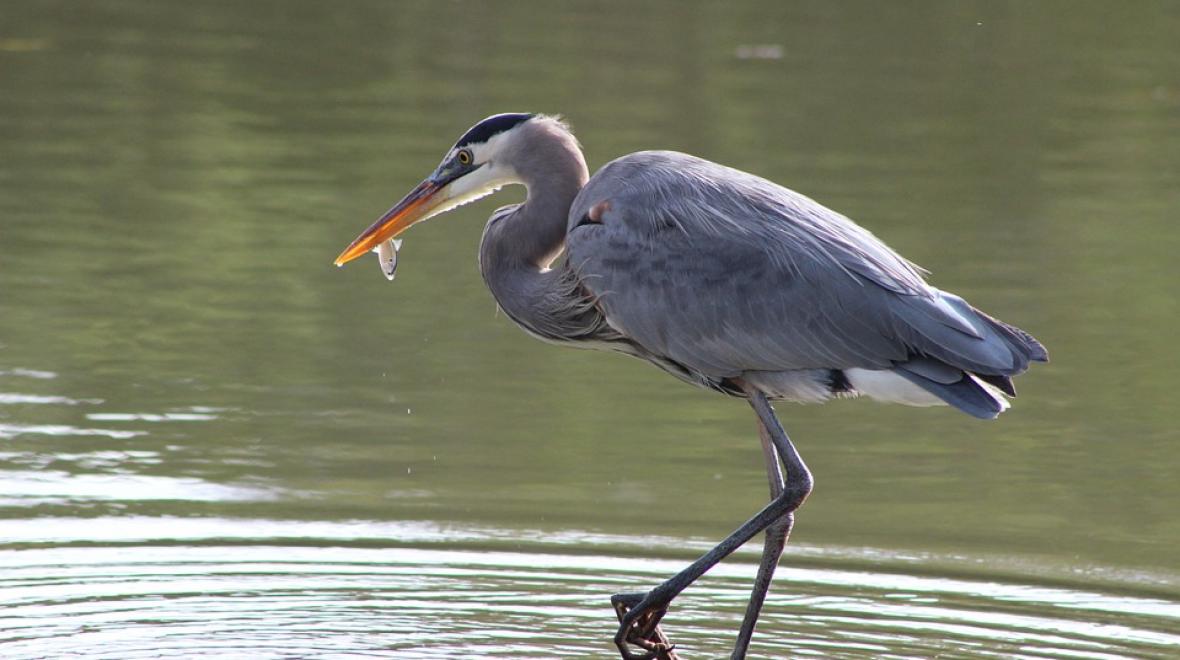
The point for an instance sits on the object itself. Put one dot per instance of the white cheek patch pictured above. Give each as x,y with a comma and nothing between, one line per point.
479,183
476,185
387,257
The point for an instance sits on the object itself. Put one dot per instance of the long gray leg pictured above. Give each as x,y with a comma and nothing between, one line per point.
648,611
772,548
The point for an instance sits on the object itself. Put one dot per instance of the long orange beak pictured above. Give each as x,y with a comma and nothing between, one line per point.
414,207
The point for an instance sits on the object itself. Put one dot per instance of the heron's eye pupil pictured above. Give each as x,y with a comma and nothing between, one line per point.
464,157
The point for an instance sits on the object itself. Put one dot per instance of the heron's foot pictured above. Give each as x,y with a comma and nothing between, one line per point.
639,626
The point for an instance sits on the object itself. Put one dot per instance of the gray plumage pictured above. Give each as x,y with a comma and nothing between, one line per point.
723,279
713,274
727,273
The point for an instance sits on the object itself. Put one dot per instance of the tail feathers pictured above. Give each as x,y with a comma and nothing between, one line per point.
968,393
1002,383
1032,349
941,372
991,348
957,355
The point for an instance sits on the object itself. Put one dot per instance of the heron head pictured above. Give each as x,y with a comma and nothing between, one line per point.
471,169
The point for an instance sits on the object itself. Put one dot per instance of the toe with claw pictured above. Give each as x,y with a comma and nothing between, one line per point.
639,626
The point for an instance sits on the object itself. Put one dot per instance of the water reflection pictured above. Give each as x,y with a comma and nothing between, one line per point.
14,430
202,420
343,589
58,487
12,398
152,417
28,373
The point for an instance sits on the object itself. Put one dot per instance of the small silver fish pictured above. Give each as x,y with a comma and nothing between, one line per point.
387,257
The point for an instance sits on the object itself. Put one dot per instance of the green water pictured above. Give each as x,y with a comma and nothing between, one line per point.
184,374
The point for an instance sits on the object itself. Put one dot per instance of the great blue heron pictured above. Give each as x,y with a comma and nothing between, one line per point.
724,280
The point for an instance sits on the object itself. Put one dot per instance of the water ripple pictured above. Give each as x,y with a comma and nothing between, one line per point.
29,373
152,417
21,488
281,589
14,398
14,430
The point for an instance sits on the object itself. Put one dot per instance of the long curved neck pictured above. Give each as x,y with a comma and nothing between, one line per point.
519,245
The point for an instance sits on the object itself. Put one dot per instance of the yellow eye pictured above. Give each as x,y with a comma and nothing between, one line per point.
464,157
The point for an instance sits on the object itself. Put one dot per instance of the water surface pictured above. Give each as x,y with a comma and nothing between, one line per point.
212,440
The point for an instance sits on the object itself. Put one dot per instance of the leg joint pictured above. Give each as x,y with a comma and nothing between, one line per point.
797,488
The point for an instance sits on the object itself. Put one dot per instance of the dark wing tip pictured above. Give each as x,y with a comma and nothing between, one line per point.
965,394
1039,352
1004,383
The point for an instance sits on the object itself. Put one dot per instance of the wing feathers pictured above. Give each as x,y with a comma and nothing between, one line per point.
724,272
966,394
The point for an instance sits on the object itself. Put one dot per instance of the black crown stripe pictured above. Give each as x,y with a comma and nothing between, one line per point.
494,125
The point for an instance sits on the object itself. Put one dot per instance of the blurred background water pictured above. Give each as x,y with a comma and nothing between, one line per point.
212,442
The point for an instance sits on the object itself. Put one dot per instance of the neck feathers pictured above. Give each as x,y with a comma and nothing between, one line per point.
549,162
520,243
